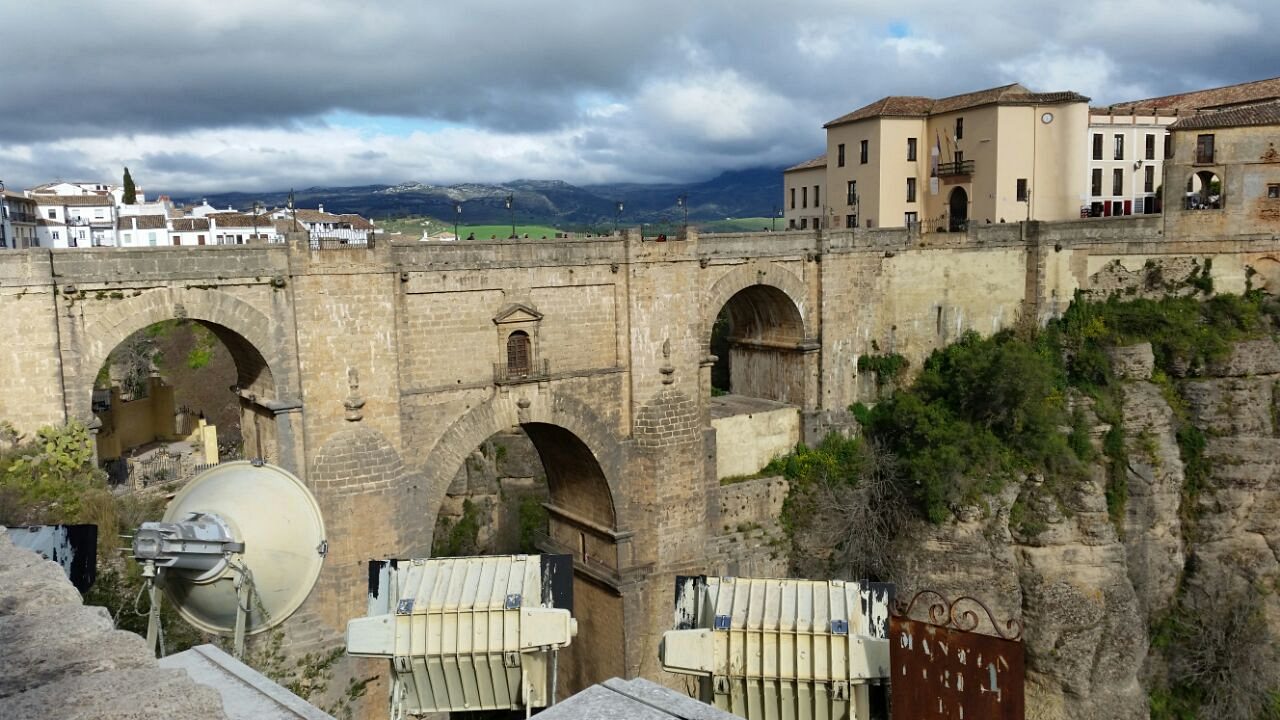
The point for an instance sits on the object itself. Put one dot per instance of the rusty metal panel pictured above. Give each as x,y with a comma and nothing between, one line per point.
943,670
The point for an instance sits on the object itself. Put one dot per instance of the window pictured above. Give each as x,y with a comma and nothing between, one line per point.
1022,189
911,219
127,237
53,214
792,223
851,221
1204,148
816,201
911,149
840,155
959,128
1117,182
55,234
1097,146
863,150
1151,147
804,223
1273,191
793,198
518,355
911,189
1149,178
199,239
853,193
151,238
1095,183
804,196
1119,147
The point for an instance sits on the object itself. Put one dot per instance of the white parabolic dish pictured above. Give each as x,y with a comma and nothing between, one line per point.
279,522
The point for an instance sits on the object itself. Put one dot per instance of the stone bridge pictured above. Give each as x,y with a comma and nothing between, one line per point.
373,372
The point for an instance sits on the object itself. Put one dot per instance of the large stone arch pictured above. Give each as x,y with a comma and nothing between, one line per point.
502,412
767,349
265,365
567,435
750,275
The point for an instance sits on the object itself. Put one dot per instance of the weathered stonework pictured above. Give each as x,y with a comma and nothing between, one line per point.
616,402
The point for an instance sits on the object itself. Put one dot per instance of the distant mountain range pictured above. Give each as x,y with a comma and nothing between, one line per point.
755,192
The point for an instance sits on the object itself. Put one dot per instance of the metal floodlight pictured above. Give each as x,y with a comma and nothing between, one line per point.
230,522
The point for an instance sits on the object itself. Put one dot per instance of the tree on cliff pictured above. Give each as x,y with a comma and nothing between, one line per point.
130,192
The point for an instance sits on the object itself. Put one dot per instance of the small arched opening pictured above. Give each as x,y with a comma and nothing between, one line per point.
958,210
1204,191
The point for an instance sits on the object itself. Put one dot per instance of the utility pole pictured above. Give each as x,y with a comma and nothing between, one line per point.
777,213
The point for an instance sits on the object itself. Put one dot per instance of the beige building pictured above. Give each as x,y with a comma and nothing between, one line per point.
803,194
1129,141
997,155
1226,167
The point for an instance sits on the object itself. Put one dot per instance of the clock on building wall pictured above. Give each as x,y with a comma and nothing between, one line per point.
1046,118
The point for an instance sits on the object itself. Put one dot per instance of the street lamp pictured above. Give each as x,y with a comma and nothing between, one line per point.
457,214
257,208
777,213
511,209
293,211
683,203
617,216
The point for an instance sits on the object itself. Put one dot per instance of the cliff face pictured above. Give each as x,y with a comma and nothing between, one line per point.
1089,584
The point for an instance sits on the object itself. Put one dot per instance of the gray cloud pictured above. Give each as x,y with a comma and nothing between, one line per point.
202,96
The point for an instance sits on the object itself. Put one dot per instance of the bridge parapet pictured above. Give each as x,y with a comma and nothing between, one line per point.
106,265
519,252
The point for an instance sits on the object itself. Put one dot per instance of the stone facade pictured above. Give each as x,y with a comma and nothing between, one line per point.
374,373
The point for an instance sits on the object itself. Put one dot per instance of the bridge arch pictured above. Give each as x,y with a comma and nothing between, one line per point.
757,329
263,371
583,463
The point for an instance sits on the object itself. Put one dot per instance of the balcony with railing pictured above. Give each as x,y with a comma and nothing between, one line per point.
514,374
958,167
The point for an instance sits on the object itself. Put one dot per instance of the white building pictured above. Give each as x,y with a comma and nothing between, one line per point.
233,228
190,231
17,221
1129,142
143,231
328,226
75,220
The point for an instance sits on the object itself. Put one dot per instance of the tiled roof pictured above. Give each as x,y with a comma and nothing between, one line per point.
316,216
145,222
75,200
50,223
1221,97
1264,114
357,222
239,220
284,226
915,106
190,224
820,161
892,106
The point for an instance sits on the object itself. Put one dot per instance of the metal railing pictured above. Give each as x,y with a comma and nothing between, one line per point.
505,375
326,242
958,167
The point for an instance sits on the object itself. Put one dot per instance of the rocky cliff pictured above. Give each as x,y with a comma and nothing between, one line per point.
1093,587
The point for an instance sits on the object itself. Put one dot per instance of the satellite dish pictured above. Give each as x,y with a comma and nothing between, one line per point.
238,551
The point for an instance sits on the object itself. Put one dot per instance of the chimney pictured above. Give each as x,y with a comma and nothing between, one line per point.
320,208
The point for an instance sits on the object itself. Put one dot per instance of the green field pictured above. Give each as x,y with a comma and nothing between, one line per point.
414,226
732,225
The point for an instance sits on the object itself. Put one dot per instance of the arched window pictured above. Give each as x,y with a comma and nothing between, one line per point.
518,354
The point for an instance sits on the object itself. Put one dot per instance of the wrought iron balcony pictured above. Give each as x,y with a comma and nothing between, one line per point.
959,167
505,374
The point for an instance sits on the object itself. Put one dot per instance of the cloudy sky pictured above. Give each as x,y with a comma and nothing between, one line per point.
269,94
